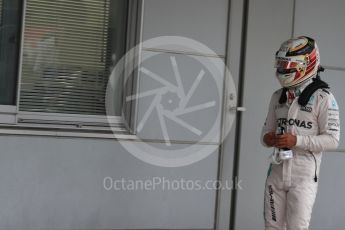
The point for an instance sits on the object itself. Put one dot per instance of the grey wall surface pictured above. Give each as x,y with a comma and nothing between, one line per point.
206,91
57,183
268,25
202,20
206,22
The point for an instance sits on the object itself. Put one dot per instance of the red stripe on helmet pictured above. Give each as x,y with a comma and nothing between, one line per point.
310,68
312,56
312,62
297,76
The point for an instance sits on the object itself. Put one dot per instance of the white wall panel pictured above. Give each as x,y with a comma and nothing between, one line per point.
329,208
202,20
324,21
206,91
57,183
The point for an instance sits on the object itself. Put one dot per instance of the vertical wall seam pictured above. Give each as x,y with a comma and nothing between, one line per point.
221,146
293,18
137,14
237,147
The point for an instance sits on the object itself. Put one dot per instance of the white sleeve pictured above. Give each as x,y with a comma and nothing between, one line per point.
270,123
329,128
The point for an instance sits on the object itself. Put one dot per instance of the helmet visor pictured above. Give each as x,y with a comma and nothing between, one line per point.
289,64
282,64
286,71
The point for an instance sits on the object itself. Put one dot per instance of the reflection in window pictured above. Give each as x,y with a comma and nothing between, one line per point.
70,48
10,21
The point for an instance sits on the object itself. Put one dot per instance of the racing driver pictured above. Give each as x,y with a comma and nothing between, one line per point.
309,114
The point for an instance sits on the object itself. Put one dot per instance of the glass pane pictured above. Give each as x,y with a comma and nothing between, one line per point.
10,21
70,48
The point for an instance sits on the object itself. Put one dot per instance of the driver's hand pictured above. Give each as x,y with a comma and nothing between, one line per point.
285,141
270,139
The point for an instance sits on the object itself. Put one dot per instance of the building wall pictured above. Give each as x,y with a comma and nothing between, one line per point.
57,182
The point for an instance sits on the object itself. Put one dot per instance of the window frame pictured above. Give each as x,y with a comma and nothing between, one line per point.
78,123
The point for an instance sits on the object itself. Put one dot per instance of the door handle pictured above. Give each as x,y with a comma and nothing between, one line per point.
238,109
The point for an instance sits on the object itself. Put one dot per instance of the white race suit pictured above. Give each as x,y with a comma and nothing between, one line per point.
291,186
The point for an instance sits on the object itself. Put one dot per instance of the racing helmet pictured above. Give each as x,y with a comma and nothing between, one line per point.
296,61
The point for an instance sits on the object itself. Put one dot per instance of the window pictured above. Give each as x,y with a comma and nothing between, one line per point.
67,50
